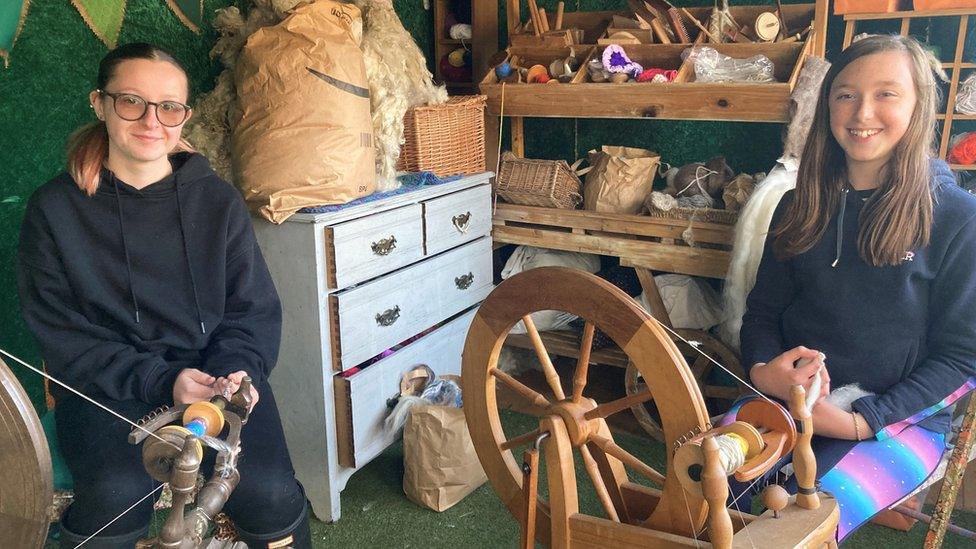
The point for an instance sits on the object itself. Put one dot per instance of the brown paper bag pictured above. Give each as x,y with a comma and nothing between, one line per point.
440,465
305,133
620,179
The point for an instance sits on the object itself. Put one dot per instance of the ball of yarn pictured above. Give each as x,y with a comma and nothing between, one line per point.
460,31
696,201
503,69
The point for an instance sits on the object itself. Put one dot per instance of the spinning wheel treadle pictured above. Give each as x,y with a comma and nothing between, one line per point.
636,516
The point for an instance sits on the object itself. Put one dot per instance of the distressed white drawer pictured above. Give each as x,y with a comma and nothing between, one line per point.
377,315
456,218
361,399
367,247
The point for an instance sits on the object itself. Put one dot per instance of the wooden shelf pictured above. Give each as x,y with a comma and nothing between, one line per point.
908,14
482,45
449,42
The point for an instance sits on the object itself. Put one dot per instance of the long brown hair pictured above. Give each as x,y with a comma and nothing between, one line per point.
899,216
88,145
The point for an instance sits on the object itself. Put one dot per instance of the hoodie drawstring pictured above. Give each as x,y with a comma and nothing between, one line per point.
840,225
186,255
125,247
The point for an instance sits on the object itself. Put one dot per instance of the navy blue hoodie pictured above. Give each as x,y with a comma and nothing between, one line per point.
906,333
124,289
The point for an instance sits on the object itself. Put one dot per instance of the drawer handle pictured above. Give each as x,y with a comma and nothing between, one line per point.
385,246
388,317
463,282
460,222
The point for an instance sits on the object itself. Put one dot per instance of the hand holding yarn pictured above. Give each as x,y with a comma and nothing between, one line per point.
775,377
192,385
227,386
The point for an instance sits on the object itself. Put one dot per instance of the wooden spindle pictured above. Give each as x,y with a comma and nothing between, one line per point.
628,459
543,355
517,386
559,15
804,461
583,364
601,489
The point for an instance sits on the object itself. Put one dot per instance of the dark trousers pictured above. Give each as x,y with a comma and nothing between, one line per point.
109,475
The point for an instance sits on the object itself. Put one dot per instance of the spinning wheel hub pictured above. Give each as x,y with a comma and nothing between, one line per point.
578,427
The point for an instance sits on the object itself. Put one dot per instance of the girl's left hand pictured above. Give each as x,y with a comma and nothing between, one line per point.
227,386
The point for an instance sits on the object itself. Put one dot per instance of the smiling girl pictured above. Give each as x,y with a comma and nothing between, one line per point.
871,263
140,277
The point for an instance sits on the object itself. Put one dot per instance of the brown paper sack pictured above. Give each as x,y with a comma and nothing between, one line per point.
440,465
620,179
305,133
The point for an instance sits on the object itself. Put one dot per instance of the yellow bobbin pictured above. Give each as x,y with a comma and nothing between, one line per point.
209,413
741,441
180,432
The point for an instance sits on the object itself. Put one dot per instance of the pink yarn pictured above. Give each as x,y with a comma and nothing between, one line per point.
615,60
649,74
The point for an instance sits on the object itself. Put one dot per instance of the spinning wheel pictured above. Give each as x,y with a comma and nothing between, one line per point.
26,477
718,397
636,516
652,353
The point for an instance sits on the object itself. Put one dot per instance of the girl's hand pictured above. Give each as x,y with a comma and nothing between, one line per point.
777,376
227,386
192,385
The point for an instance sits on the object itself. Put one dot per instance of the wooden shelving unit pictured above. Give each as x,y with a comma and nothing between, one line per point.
954,67
483,43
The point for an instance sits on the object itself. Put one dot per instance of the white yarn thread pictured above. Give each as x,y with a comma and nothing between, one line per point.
730,453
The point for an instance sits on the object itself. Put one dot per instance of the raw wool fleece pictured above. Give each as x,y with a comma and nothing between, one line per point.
395,67
747,248
398,79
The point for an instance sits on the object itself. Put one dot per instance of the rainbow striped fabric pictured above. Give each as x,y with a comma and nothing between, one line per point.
876,474
895,428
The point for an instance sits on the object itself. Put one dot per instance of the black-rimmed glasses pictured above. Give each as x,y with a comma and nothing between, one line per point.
131,107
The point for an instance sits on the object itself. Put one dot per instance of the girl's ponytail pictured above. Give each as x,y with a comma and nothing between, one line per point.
87,151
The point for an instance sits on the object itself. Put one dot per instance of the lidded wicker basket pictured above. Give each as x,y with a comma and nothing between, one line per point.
548,183
447,139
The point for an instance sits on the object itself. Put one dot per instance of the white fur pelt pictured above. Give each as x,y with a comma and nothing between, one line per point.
747,248
398,79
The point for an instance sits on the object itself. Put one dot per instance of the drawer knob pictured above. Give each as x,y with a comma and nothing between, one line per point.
463,282
388,317
385,246
461,221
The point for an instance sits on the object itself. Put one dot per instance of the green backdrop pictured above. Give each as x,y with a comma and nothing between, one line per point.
43,97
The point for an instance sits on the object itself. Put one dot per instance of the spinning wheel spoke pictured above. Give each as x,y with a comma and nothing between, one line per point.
628,459
607,409
601,488
540,350
583,365
700,367
534,398
520,440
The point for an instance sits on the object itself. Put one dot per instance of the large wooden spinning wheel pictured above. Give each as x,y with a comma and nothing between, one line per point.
671,384
26,477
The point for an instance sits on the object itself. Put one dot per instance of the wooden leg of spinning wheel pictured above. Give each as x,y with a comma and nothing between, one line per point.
561,473
804,462
530,492
715,488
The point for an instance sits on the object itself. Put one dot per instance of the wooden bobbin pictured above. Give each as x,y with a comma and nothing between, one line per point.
211,415
180,433
689,458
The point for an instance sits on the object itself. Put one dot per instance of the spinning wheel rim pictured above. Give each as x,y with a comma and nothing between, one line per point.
26,473
625,322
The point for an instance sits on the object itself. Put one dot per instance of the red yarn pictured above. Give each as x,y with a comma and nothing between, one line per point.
649,74
964,151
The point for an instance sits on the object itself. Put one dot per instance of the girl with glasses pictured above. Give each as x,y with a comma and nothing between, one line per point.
140,277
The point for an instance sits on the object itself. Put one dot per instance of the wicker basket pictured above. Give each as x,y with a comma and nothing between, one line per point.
707,215
447,139
549,183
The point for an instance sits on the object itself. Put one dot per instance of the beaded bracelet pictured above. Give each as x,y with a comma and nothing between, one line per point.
857,428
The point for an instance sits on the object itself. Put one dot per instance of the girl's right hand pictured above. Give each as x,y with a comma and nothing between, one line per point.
192,385
775,377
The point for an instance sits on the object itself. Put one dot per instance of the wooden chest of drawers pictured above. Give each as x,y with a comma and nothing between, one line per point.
404,274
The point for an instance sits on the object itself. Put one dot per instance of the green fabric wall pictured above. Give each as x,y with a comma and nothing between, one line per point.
43,97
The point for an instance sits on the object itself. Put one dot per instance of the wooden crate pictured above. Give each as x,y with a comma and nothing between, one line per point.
683,99
638,240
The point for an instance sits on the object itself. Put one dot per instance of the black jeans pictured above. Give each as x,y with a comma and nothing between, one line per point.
109,475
